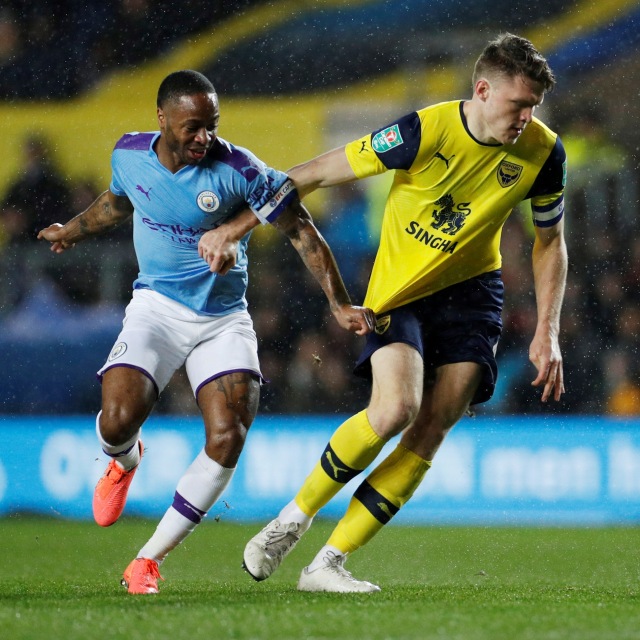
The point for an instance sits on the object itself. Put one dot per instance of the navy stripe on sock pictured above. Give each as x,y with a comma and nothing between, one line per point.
121,453
185,508
335,468
381,509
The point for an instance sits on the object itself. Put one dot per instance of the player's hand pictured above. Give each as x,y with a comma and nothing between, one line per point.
56,235
359,320
218,250
546,357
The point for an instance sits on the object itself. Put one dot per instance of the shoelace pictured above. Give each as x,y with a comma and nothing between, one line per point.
116,469
151,571
286,534
335,563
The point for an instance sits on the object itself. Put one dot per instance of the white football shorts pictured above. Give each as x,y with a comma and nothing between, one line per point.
159,335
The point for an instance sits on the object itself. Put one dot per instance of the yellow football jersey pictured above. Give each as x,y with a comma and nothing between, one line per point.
450,198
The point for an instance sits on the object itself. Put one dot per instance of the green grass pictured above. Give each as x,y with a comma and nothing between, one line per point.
60,579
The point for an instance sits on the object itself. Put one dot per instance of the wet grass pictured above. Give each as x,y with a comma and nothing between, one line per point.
60,579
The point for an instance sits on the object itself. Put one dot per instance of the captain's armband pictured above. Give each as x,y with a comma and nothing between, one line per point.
547,211
273,203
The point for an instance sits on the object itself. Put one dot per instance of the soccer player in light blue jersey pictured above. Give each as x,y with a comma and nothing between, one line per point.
179,183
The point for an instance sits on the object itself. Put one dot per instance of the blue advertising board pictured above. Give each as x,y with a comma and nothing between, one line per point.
490,470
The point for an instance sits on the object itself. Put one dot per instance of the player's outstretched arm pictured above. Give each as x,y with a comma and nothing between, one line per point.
296,223
550,275
219,246
106,212
326,170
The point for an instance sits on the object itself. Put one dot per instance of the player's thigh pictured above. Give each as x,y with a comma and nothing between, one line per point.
224,373
156,337
397,371
228,346
445,400
230,402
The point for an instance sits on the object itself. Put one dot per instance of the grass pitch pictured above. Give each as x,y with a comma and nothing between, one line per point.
60,579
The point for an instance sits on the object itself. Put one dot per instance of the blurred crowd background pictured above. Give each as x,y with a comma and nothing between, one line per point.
296,79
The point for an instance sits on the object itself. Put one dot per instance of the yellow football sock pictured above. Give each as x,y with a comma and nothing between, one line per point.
352,448
379,498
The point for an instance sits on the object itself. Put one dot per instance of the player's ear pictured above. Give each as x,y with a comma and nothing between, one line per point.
161,118
482,89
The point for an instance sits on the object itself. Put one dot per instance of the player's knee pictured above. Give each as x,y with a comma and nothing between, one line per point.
393,415
225,443
119,423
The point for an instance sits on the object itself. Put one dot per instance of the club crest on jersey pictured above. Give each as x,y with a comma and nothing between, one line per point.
117,351
387,139
382,324
509,173
208,201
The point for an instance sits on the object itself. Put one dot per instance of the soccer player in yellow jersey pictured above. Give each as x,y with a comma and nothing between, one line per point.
460,168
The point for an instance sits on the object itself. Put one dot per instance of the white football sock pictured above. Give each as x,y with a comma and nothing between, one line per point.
319,562
127,455
197,491
292,513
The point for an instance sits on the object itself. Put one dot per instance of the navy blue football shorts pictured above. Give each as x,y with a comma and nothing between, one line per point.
461,323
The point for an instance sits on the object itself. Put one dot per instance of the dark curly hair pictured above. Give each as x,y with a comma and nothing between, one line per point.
183,83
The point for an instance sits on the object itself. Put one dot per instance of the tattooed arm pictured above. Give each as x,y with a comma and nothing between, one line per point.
107,212
219,248
296,223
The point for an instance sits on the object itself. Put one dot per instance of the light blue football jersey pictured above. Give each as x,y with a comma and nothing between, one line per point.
172,211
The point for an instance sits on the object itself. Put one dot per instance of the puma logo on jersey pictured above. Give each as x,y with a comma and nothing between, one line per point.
363,147
334,466
445,160
146,193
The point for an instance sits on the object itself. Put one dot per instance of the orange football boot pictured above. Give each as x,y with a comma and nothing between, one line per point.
110,494
141,576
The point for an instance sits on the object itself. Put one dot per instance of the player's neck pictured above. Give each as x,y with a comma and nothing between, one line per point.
166,158
475,123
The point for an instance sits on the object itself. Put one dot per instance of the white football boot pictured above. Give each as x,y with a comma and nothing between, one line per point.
266,550
332,577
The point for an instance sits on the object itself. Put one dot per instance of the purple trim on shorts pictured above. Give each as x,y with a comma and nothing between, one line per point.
225,373
130,366
186,509
135,141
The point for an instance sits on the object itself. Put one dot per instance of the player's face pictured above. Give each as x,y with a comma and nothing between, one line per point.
508,107
188,129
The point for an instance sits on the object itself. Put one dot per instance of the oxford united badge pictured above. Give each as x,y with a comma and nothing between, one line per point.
382,324
508,173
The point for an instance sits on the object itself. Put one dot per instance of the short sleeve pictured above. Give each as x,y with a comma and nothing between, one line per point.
547,192
392,147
